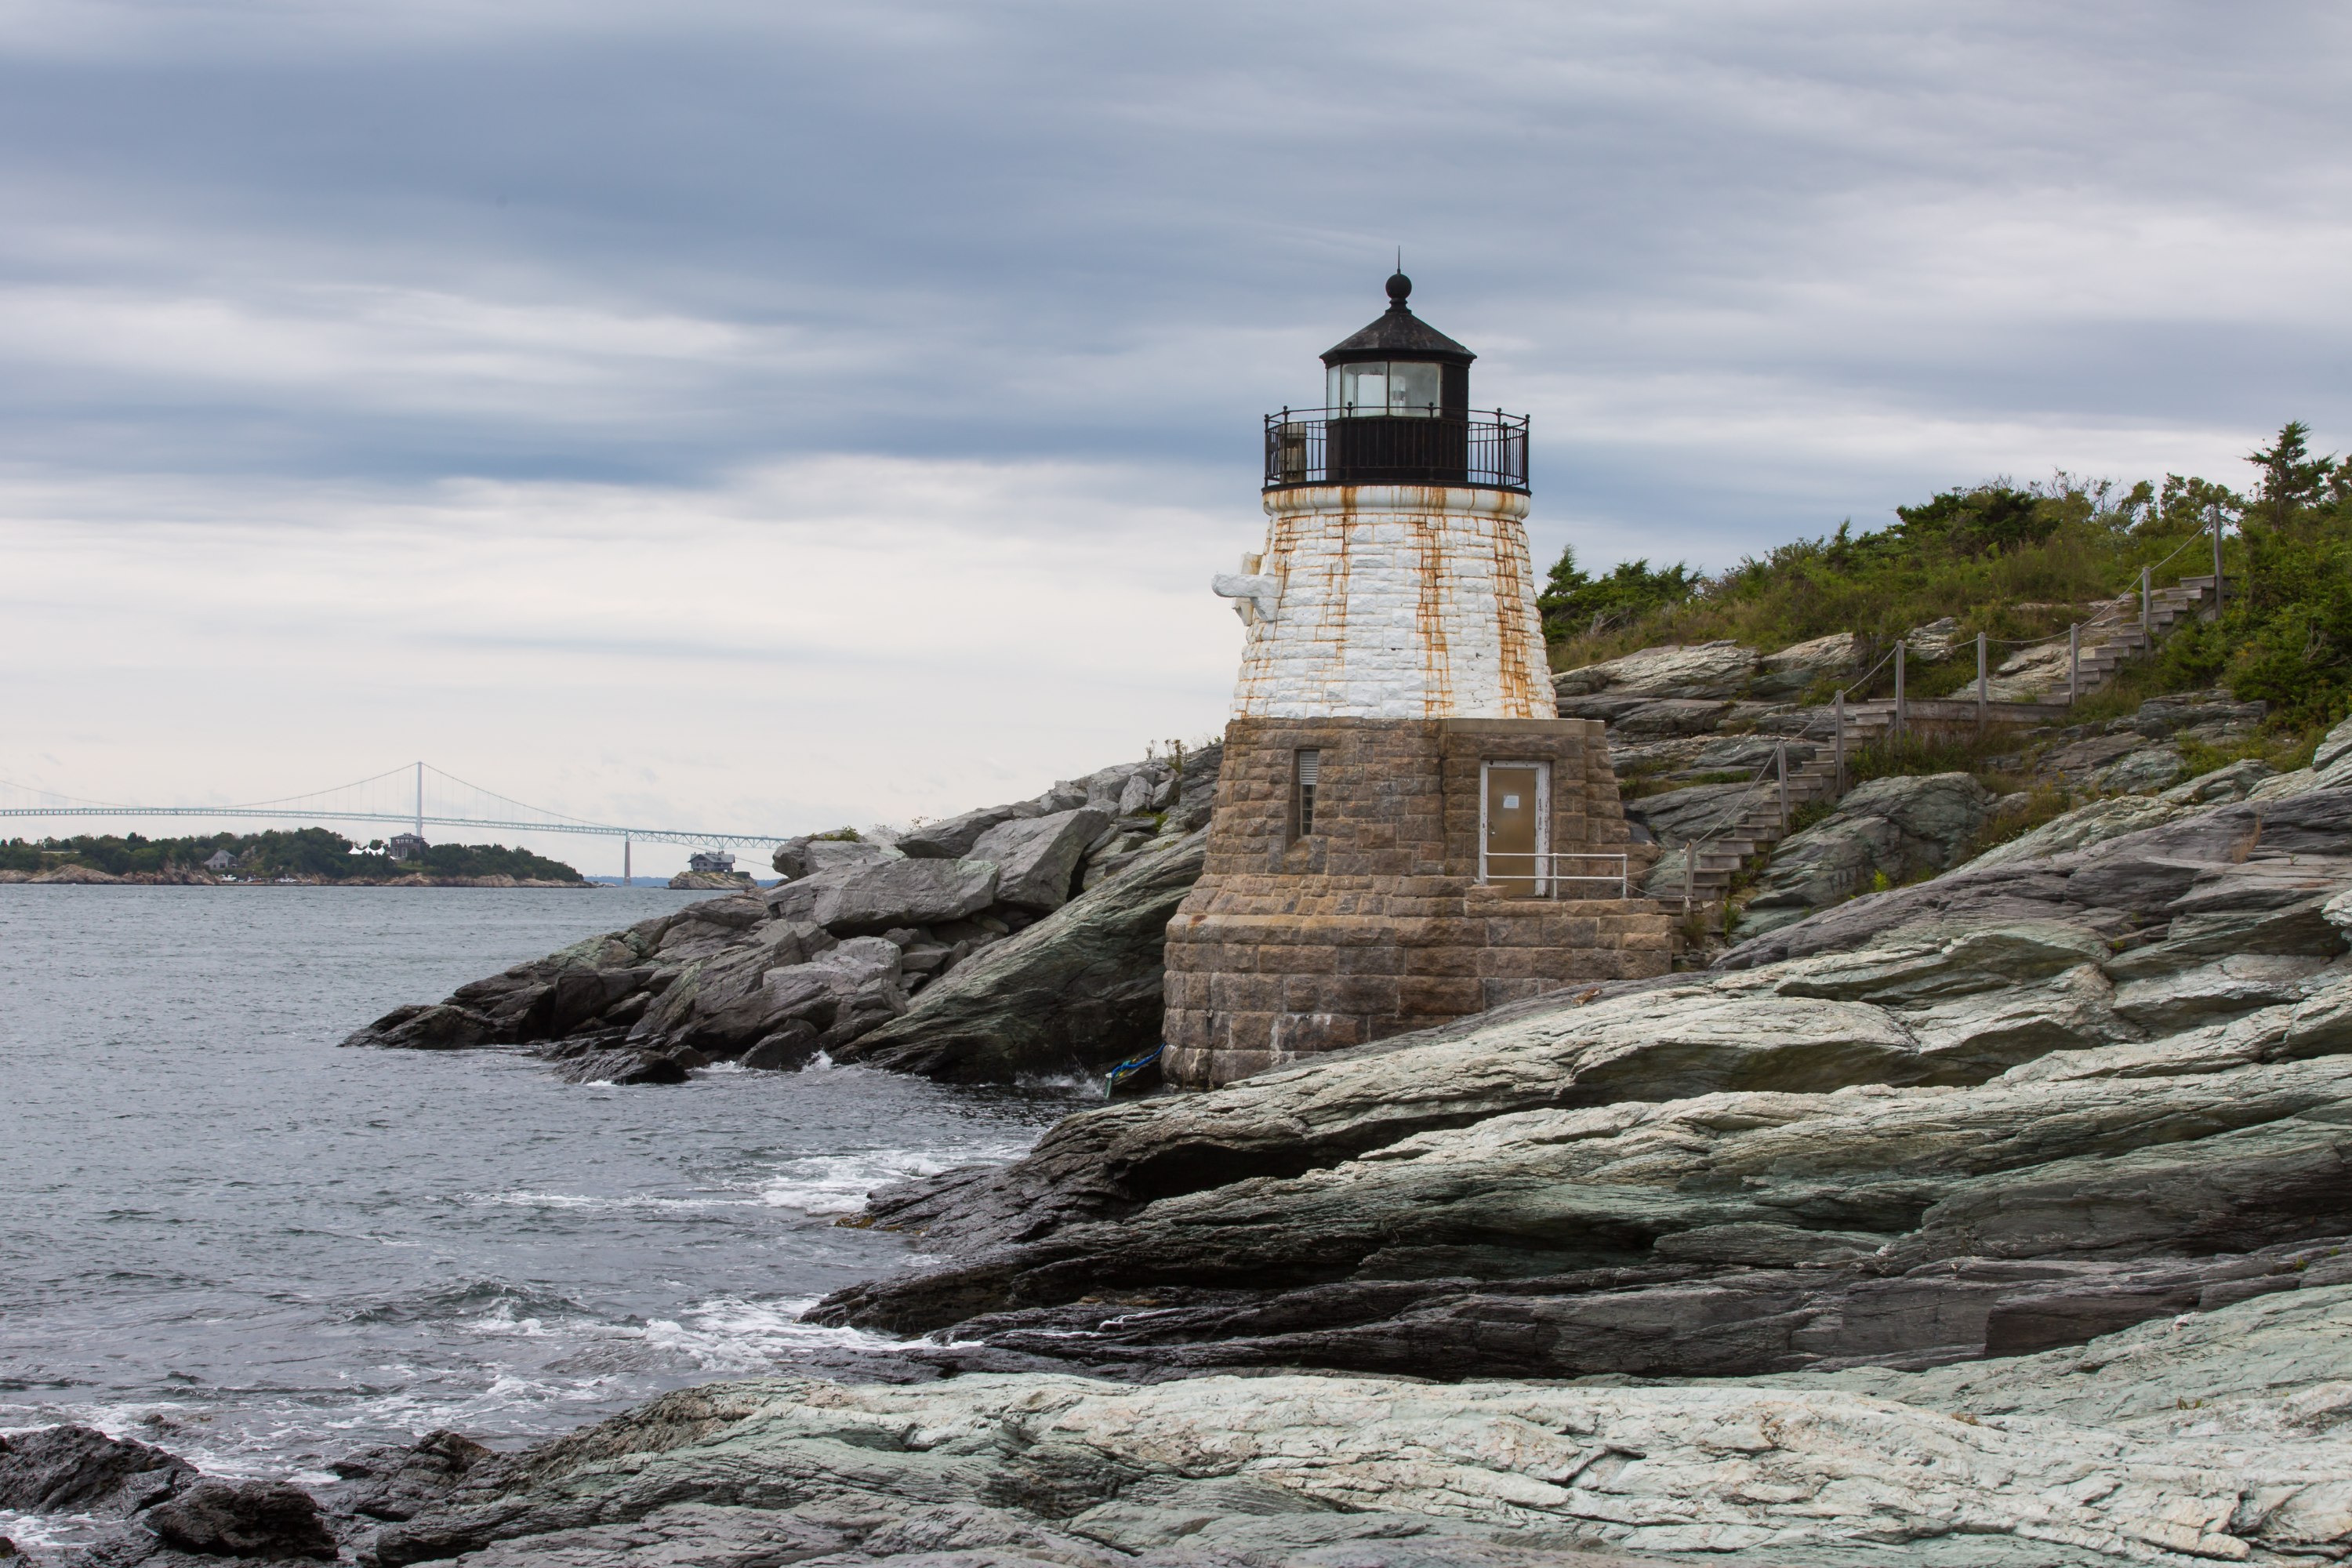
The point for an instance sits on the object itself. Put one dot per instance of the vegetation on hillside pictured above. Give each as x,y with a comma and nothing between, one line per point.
2022,562
302,852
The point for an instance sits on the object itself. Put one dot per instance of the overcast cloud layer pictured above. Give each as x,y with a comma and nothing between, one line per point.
767,416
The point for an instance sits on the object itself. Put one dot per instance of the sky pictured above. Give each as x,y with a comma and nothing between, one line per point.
769,416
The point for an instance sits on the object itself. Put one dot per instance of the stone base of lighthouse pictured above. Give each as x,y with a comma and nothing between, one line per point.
1376,920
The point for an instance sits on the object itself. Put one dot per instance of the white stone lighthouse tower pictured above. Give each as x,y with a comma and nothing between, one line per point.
1405,830
1395,582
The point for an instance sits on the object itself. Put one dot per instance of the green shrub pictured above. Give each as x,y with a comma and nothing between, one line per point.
2020,563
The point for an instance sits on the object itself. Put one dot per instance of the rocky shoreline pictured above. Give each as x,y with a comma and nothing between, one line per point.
2002,1217
85,876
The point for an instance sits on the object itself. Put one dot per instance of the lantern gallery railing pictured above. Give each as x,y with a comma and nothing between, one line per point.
1345,447
1557,875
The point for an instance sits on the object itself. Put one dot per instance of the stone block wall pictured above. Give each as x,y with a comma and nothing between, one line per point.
1376,922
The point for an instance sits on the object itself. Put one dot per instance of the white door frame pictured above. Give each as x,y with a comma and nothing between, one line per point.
1543,817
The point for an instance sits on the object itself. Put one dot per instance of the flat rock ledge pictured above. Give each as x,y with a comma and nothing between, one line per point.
2221,1439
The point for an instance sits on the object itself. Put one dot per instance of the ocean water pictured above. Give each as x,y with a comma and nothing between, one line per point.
224,1234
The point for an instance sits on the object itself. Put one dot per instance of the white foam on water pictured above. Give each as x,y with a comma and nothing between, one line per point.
734,1334
45,1529
838,1184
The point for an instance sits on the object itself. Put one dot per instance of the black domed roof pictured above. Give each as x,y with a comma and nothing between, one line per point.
1398,334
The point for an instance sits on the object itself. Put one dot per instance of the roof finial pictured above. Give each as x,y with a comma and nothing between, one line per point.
1399,284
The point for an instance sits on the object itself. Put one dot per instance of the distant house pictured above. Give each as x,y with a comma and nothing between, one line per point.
406,846
221,860
717,861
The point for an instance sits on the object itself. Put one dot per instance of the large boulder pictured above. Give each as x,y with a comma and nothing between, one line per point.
879,894
723,1006
1037,858
1080,991
812,852
80,1469
953,838
243,1519
1886,831
1801,666
1710,669
2203,715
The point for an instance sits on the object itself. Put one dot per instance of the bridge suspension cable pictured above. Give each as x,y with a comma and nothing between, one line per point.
373,799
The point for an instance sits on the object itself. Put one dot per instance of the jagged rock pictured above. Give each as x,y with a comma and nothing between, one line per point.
787,1049
1934,642
2148,771
80,1469
721,1005
1711,670
2211,711
707,881
400,1482
868,899
442,1026
2241,982
2035,674
2116,886
812,853
2232,782
1798,667
953,838
2086,826
1079,991
623,1065
1037,858
243,1519
2080,760
1890,828
1665,716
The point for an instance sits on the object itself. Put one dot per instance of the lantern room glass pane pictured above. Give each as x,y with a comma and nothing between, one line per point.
1363,389
1383,388
1412,388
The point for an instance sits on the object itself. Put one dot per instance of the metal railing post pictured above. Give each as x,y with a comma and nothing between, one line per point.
2074,662
1980,680
1837,713
2217,560
1902,710
1688,858
2147,622
1780,766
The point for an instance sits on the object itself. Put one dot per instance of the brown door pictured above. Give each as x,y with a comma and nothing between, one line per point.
1515,827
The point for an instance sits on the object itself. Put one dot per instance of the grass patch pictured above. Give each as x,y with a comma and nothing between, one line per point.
1928,751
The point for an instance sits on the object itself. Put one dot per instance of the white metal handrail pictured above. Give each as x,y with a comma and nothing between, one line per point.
1547,877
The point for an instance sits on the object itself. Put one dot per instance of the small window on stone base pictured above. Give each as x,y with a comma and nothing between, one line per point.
1305,766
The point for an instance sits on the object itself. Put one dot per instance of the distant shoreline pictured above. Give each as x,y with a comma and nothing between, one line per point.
81,877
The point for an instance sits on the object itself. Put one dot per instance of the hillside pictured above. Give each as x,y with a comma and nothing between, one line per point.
2019,564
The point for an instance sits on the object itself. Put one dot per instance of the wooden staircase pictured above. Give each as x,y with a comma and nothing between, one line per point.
1760,818
1758,822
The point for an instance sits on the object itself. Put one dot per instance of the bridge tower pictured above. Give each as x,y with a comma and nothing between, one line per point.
1405,831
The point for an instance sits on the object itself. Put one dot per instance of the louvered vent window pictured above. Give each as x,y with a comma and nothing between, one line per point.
1309,762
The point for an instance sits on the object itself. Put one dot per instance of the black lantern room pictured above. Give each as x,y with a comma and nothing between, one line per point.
1396,410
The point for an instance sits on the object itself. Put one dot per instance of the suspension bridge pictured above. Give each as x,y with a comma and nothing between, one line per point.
415,796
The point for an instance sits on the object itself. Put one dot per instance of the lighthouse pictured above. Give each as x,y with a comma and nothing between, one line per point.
1405,831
